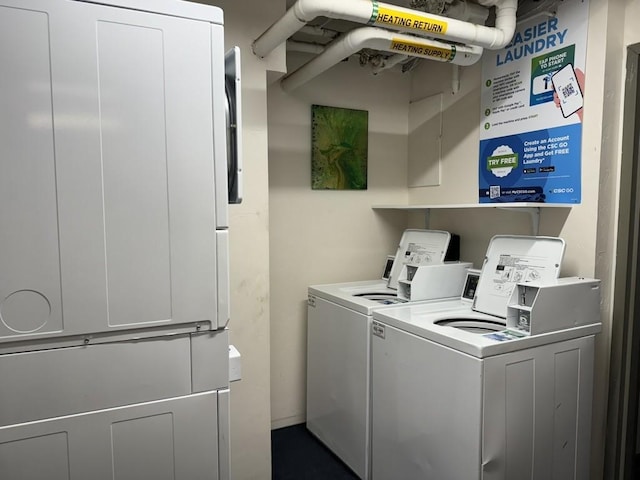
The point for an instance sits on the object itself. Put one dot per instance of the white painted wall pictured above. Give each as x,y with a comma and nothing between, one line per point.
249,235
327,236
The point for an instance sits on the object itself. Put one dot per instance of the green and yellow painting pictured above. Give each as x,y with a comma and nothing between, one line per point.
339,148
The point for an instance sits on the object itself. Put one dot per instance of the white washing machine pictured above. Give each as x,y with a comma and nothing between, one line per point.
498,390
338,347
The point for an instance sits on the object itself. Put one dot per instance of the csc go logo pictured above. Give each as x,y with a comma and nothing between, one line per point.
562,190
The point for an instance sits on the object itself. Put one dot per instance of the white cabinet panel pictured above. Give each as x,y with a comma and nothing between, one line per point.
30,298
338,405
116,219
537,412
153,183
157,440
134,171
426,411
66,381
50,450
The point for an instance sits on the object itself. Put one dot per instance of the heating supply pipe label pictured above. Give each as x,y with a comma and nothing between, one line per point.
422,50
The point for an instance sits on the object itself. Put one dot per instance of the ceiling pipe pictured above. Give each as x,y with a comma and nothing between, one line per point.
388,62
319,31
380,39
455,80
393,17
304,47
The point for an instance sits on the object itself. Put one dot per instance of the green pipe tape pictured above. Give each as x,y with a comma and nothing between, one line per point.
374,12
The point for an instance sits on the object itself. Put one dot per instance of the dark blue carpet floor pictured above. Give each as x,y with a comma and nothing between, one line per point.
297,455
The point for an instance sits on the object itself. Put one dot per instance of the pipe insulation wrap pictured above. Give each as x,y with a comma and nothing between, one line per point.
396,18
277,33
304,47
378,39
436,26
389,63
304,11
467,12
354,10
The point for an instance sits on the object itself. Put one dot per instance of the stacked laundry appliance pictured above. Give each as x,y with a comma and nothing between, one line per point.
114,265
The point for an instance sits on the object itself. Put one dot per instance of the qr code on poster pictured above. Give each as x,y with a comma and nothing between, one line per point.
494,191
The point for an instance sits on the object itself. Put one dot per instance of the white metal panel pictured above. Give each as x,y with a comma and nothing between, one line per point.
511,259
426,409
152,459
64,381
133,123
423,247
177,8
30,298
51,452
209,360
233,84
338,381
224,292
134,169
566,387
194,186
224,434
219,126
519,417
537,412
162,439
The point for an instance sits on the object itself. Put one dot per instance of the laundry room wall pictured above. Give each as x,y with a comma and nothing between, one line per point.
327,236
249,246
589,228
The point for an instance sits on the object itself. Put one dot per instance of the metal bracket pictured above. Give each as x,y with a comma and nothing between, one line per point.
534,212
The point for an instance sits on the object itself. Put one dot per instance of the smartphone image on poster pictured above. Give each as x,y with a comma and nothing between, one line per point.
568,90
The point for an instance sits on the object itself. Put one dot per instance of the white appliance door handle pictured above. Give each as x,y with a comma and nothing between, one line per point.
234,123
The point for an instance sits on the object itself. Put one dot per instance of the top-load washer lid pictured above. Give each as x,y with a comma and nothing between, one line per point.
513,259
419,247
382,298
473,325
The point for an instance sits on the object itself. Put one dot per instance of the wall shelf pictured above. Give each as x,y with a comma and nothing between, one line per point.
531,208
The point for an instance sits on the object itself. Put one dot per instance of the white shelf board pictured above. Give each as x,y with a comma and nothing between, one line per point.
476,205
532,208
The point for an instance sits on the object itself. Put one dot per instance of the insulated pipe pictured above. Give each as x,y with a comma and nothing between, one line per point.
380,39
304,47
390,62
319,31
394,17
302,12
455,80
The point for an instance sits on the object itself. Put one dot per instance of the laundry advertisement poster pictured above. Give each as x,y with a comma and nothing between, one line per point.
531,110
